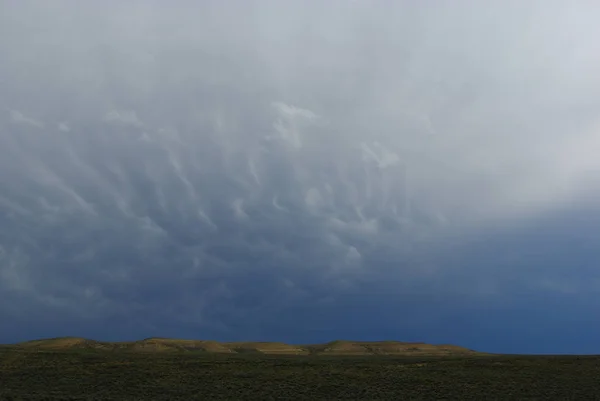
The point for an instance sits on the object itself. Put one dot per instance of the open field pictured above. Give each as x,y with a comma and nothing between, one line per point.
91,374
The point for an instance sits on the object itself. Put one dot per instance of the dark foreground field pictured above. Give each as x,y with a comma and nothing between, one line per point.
94,375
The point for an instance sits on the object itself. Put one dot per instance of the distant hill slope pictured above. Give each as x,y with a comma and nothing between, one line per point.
339,347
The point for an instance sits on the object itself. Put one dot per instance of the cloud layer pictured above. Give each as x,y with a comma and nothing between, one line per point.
217,168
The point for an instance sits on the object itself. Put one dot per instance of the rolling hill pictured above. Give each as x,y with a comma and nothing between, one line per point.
339,347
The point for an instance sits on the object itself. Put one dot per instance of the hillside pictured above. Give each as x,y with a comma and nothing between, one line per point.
340,347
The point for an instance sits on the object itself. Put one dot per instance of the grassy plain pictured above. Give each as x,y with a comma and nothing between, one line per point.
91,374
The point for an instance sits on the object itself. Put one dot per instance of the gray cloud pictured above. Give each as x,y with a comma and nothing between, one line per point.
211,162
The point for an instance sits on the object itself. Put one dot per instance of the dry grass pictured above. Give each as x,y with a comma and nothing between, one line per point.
176,345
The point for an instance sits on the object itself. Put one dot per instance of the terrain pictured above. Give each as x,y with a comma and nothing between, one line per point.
165,369
339,347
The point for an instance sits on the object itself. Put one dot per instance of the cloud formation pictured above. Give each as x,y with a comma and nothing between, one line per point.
213,164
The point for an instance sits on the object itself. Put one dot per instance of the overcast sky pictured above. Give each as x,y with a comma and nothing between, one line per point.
302,171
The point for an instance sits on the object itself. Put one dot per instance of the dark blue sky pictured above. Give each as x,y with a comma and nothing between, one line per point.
301,171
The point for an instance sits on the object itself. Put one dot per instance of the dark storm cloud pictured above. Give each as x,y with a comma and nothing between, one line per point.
220,165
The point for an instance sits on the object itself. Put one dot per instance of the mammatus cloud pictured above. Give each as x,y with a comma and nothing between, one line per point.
18,118
289,122
155,162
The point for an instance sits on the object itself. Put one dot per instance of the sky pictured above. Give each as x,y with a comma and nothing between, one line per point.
302,171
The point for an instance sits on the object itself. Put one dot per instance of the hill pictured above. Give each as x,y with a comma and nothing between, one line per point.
339,347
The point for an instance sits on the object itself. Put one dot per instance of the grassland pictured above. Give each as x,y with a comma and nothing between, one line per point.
92,374
339,347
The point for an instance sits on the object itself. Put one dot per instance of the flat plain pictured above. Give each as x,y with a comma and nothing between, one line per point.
34,372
